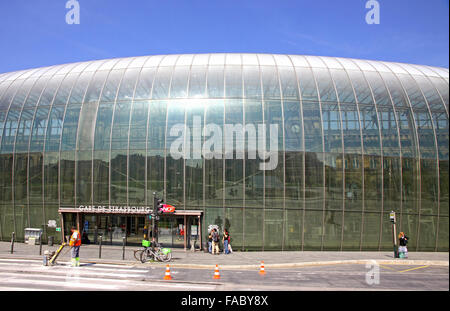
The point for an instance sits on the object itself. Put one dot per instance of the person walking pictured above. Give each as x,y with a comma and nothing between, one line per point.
210,241
402,249
226,241
75,243
215,241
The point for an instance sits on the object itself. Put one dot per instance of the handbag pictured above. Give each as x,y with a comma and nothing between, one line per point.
229,248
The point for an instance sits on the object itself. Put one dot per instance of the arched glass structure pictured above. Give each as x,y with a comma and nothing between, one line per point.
356,140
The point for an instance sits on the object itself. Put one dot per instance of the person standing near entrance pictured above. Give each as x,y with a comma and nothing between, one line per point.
226,241
215,241
75,243
402,249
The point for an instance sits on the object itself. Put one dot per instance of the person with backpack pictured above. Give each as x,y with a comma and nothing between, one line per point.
226,241
215,241
402,249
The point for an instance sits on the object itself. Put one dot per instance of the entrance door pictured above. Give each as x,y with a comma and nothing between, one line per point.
70,220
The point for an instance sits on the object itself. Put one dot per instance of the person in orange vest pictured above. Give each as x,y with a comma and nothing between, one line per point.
75,243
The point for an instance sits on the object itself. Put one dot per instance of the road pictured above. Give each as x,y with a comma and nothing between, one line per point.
17,275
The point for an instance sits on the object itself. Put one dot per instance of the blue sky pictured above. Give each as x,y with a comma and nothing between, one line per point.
35,33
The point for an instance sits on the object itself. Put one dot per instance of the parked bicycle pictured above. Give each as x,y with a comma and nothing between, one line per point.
147,252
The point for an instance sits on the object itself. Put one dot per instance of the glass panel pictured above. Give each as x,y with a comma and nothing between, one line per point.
432,96
175,150
103,127
162,83
84,178
214,179
234,223
273,229
64,90
194,161
270,82
313,127
6,191
119,163
121,124
178,88
5,100
274,176
293,232
136,178
378,87
253,224
101,177
332,230
69,133
67,178
352,231
22,93
86,129
414,94
343,86
39,128
294,158
442,87
254,176
79,90
307,83
144,84
233,78
395,89
20,178
54,129
24,130
51,177
50,90
289,86
35,93
157,125
362,90
215,81
10,130
325,85
313,230
252,82
197,82
234,164
95,87
138,125
112,84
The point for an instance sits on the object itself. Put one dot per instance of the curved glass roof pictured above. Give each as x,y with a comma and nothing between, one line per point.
223,75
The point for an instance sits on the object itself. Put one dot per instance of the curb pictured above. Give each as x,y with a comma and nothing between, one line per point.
404,262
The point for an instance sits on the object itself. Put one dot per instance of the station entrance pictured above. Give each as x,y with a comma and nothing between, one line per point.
181,229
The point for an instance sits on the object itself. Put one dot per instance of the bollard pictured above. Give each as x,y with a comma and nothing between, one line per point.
123,249
40,243
12,242
100,247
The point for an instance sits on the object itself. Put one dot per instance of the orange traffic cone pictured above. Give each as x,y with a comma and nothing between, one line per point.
216,273
261,269
167,276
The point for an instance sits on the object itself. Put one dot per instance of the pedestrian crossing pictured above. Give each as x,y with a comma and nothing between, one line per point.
31,275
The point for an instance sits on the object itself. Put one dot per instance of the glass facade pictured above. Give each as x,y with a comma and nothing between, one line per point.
287,152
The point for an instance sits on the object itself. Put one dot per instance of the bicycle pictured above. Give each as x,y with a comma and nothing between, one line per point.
156,253
163,255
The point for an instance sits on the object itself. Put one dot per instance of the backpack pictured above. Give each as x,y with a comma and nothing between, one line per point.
215,237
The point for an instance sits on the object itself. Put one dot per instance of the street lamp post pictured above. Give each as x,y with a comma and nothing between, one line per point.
394,232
